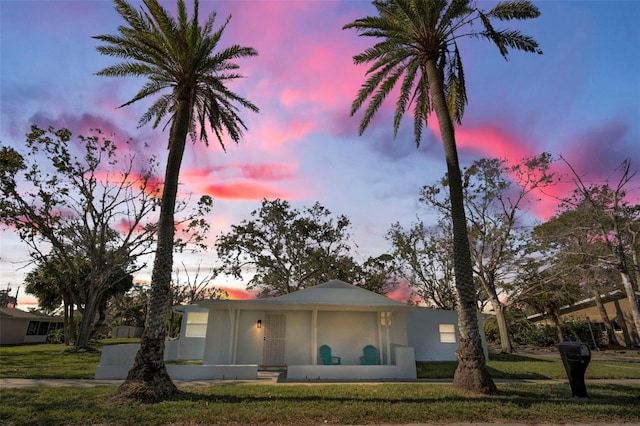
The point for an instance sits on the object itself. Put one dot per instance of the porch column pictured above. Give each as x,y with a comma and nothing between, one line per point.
314,336
232,334
380,318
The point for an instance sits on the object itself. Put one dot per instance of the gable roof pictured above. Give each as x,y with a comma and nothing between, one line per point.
336,292
332,295
15,313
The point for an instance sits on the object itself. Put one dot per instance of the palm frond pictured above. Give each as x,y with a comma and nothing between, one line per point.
513,39
405,90
455,87
410,35
515,9
421,109
179,56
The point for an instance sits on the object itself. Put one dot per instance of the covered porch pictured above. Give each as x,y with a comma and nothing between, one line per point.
288,331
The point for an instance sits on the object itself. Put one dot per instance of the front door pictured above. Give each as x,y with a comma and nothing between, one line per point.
274,338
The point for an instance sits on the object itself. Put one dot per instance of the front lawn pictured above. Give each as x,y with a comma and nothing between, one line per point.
303,404
57,362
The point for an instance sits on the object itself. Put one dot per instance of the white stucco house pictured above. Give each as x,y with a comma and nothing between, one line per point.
236,338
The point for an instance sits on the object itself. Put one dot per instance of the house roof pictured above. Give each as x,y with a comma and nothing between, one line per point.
14,313
583,304
332,295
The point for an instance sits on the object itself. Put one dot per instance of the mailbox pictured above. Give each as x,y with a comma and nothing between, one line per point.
575,357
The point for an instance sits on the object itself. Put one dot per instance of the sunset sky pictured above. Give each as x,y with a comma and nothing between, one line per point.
580,99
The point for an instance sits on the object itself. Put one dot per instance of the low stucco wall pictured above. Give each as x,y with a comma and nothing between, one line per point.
117,360
405,368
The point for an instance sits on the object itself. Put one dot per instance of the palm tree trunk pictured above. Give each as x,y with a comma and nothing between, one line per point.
472,373
148,380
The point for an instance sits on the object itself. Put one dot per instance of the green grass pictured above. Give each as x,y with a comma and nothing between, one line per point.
323,404
53,362
513,366
304,404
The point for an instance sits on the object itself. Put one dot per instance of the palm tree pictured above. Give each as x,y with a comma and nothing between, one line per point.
419,47
183,66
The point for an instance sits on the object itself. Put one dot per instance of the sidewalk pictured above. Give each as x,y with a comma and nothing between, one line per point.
276,378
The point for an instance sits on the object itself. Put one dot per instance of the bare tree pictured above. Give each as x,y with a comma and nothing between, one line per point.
612,219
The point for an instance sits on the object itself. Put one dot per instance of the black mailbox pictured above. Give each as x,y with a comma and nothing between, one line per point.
575,357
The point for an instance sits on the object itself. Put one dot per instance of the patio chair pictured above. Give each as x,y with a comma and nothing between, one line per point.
370,356
327,358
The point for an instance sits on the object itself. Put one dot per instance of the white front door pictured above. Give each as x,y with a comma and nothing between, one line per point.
275,326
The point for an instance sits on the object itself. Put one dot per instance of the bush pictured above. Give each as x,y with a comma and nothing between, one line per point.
585,332
525,333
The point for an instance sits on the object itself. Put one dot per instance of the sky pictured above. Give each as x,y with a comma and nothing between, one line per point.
579,99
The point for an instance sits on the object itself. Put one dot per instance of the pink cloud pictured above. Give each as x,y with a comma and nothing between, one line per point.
488,140
243,191
84,124
238,294
274,134
260,172
402,293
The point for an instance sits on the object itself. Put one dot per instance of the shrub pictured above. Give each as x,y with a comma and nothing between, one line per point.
585,332
524,333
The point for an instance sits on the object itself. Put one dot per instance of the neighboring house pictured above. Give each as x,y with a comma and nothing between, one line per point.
18,326
617,306
235,338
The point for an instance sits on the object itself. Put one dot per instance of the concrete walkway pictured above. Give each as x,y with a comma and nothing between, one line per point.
277,378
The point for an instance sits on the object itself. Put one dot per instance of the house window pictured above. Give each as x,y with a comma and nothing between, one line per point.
385,318
447,333
32,330
43,328
196,324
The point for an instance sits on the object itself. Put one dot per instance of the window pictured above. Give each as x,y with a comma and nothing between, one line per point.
32,330
447,333
196,324
385,318
43,327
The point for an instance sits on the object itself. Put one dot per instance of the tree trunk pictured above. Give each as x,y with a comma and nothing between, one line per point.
635,262
66,322
622,322
86,324
498,308
556,323
611,335
626,279
72,323
471,374
148,380
633,306
503,329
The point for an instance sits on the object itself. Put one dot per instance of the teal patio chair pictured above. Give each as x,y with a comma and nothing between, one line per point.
327,358
370,356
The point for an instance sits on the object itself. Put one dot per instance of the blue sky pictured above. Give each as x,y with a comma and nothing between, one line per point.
580,99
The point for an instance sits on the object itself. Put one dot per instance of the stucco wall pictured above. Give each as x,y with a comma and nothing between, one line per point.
347,333
298,338
424,335
250,338
13,330
216,347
